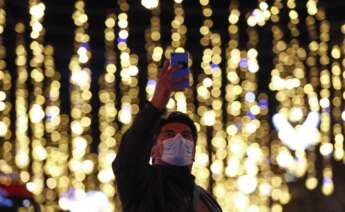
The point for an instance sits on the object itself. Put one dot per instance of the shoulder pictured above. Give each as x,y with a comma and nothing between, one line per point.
201,191
207,198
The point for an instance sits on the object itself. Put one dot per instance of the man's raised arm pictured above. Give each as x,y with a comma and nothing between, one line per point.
131,162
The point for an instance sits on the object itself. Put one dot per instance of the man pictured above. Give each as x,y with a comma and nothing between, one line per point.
168,185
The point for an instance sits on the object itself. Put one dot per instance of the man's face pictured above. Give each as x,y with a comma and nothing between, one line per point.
169,130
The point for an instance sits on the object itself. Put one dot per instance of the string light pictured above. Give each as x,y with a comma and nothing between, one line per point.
264,185
235,142
154,52
62,177
260,15
312,181
81,163
150,4
22,156
251,122
57,148
129,71
326,148
38,100
7,148
232,89
107,113
338,137
204,150
339,144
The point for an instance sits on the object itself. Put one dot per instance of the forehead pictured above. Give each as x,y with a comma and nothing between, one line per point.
175,126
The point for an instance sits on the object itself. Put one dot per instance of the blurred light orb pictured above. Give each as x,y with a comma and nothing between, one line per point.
247,183
76,200
343,115
241,201
37,10
36,113
150,4
81,78
209,118
265,189
285,159
311,183
3,129
125,114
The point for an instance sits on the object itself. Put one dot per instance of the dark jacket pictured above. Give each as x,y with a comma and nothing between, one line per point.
147,188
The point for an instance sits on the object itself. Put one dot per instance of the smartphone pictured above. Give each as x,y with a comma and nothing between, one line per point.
180,58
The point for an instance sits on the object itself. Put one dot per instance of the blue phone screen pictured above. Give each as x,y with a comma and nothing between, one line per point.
182,59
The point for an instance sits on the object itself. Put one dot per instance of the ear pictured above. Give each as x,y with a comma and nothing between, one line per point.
154,151
153,154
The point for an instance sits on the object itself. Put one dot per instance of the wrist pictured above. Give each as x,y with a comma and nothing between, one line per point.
154,108
157,104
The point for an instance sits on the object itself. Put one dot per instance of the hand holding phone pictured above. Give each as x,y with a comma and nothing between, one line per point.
180,58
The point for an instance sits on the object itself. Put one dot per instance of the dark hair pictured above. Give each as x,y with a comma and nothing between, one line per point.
176,117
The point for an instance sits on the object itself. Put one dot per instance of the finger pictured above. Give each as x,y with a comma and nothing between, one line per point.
179,89
180,79
175,68
165,67
159,74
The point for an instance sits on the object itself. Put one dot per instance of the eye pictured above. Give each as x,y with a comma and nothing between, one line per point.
169,134
187,136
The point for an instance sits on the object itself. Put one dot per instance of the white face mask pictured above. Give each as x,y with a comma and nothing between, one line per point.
178,151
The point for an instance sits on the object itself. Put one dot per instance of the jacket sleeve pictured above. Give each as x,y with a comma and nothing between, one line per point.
131,164
204,196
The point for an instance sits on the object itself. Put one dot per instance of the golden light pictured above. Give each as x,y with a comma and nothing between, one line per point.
209,118
36,113
81,78
247,183
150,4
37,10
3,129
